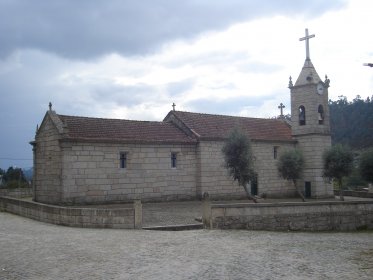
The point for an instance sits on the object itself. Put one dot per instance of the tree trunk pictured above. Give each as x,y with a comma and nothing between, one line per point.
248,194
341,197
298,191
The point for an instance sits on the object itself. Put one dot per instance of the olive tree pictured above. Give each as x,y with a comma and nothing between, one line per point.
290,167
366,166
338,163
238,159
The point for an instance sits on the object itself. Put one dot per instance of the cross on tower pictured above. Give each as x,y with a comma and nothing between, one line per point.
282,106
307,38
173,106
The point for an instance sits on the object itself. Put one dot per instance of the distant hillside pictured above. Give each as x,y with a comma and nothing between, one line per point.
351,123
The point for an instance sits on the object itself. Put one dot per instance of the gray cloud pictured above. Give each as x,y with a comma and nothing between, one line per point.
39,39
122,95
89,28
175,89
212,57
224,106
248,105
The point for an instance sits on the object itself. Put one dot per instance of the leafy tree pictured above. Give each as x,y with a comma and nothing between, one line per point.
354,179
239,159
290,167
350,122
338,163
14,178
366,166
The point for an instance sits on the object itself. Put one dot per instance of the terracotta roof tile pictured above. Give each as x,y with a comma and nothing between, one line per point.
219,126
84,128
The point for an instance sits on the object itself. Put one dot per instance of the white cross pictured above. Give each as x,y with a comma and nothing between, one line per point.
307,43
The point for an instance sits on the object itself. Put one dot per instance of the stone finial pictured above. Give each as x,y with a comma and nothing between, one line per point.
50,106
290,83
37,128
327,81
173,106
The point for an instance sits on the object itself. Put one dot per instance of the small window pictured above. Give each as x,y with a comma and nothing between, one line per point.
173,160
302,115
320,110
275,152
123,160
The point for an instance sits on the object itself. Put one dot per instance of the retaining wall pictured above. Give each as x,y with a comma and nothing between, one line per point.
355,193
308,216
18,192
124,218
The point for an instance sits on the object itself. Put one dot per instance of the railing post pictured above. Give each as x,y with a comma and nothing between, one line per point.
138,213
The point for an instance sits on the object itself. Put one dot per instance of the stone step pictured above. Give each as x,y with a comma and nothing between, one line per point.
176,227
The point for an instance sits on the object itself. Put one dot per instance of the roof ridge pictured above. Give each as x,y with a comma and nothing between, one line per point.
230,116
111,119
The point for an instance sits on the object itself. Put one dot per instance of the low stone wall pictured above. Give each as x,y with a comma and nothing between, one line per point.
308,216
17,193
124,218
355,193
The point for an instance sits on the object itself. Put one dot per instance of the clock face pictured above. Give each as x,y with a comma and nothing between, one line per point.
320,88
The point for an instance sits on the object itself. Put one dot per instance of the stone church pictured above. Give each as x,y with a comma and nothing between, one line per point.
81,160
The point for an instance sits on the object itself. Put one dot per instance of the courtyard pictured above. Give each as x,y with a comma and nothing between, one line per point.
35,250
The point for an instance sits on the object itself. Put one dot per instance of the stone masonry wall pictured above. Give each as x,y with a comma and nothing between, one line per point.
17,192
47,164
214,177
76,217
315,216
307,96
269,180
313,147
92,174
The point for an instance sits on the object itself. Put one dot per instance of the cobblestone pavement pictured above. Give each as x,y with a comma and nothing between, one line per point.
35,250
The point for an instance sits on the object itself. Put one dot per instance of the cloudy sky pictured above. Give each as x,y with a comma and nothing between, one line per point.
133,59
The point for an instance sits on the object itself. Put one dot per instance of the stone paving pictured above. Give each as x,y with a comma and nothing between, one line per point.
35,250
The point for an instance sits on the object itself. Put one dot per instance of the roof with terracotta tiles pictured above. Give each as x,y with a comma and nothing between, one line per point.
83,128
208,126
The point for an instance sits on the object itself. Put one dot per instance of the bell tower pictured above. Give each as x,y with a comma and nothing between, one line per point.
310,125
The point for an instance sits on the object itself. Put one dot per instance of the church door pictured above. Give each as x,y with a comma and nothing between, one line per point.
307,189
254,186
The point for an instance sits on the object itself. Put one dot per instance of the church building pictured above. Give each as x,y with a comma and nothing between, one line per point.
81,160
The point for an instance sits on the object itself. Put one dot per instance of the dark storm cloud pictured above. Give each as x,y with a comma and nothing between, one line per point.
89,28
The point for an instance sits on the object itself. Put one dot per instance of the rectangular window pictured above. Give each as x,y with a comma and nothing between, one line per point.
275,152
173,160
123,160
